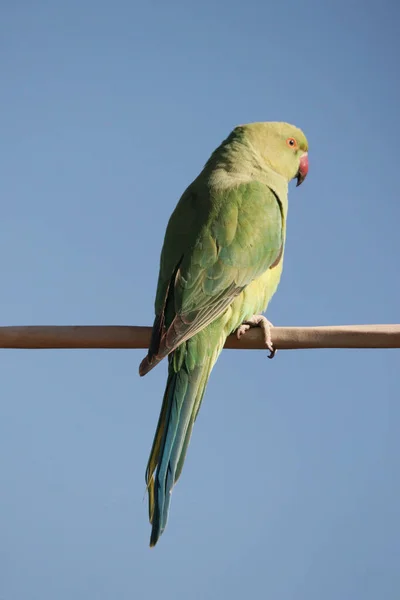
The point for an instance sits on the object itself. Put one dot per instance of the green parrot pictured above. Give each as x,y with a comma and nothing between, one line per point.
221,263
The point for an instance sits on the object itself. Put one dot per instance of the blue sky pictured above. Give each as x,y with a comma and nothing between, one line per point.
291,486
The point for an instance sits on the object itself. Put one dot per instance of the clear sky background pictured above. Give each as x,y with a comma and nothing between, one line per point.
291,485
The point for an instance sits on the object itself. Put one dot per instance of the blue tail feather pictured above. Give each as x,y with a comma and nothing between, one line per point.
182,391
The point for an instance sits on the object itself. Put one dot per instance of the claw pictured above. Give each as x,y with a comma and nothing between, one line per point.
258,321
242,330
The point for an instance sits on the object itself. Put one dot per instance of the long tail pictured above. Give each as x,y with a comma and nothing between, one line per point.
182,398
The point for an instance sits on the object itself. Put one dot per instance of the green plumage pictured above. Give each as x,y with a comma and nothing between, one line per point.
220,264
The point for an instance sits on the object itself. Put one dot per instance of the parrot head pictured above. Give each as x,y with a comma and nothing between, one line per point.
278,146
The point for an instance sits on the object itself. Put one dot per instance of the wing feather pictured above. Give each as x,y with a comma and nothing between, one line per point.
203,270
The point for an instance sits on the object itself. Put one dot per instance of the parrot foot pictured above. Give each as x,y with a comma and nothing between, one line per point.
258,321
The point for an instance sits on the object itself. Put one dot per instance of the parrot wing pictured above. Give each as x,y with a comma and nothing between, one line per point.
214,247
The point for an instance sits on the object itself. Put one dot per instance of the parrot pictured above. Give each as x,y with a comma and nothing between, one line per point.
220,264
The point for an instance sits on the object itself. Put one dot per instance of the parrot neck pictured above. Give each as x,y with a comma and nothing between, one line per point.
221,178
236,163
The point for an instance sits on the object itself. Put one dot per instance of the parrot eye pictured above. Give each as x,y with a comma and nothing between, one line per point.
291,142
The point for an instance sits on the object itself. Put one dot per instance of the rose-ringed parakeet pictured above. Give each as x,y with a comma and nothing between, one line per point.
220,265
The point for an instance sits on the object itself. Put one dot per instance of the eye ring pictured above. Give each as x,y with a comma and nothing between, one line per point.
291,142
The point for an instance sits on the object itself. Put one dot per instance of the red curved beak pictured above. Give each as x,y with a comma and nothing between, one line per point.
303,169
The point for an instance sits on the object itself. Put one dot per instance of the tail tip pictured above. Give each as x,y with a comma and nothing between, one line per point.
154,537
